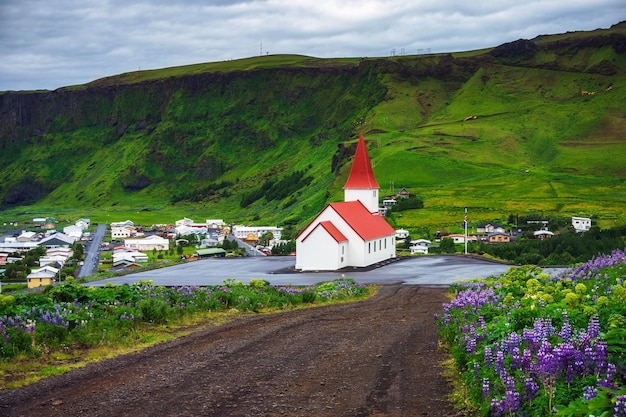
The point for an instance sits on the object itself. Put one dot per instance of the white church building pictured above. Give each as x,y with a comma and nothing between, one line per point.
348,233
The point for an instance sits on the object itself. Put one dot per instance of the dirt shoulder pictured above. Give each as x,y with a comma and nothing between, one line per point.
377,357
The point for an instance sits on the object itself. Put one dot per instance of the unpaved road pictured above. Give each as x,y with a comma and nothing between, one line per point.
377,357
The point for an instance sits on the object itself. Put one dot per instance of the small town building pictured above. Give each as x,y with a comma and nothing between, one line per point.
459,238
211,253
148,243
542,234
498,237
490,228
581,224
74,231
254,233
57,240
402,234
131,256
420,246
41,277
403,193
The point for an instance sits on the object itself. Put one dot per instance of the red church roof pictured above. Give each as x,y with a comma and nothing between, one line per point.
332,231
361,174
364,223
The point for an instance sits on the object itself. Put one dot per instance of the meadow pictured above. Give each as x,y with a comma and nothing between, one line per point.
528,344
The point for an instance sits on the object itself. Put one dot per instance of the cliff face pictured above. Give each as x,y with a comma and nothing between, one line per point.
196,126
211,137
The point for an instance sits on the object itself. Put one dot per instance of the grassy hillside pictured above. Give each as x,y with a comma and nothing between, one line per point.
530,126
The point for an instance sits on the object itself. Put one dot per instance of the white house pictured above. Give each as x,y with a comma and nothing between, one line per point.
148,243
420,246
27,236
184,230
402,234
460,238
542,234
242,232
74,231
125,223
581,224
349,233
131,256
57,240
215,223
83,223
490,228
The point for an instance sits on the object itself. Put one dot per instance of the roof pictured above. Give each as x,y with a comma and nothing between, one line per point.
210,251
332,231
361,173
367,225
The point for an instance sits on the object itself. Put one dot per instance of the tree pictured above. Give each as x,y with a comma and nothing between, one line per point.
266,238
447,246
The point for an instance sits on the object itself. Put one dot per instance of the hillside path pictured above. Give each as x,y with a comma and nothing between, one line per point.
377,357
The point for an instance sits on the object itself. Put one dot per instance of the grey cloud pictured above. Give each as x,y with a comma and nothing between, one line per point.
49,44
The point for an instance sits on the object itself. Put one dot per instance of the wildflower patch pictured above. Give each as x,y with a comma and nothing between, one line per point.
528,344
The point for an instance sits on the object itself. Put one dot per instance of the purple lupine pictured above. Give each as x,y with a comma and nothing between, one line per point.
500,363
486,388
530,389
566,330
511,401
495,409
4,333
619,410
488,356
527,363
590,393
593,329
516,361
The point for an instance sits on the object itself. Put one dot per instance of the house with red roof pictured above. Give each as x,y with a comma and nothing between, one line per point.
348,233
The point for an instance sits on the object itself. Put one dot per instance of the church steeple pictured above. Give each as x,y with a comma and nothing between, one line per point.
361,184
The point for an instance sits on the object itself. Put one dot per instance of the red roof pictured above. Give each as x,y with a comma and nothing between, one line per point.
361,174
332,231
367,225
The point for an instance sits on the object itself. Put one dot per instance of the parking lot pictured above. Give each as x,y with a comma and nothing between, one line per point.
426,270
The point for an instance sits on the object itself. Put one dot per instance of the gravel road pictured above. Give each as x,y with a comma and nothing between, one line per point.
376,357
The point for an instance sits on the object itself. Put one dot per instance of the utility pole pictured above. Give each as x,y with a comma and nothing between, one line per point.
465,226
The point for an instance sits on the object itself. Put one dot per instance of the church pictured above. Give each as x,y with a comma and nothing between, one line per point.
349,233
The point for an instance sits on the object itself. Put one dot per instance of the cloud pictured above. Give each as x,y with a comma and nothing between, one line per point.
49,44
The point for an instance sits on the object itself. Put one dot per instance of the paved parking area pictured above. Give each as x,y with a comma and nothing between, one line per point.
427,270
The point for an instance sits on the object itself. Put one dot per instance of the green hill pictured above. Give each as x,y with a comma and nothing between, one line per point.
532,126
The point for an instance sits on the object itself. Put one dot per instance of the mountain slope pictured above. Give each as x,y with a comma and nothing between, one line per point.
529,126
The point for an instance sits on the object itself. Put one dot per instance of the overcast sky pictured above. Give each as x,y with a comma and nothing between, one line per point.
47,44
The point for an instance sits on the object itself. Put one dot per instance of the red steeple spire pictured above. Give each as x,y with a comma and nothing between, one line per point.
361,174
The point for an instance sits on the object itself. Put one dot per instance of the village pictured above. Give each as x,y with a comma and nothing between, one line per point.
353,233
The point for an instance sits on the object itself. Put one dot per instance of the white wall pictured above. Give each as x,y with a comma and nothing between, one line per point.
320,252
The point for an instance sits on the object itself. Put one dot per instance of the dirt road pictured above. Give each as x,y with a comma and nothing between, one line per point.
376,357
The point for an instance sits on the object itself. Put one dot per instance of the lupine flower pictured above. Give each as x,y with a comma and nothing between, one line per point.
486,388
530,388
590,393
619,410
